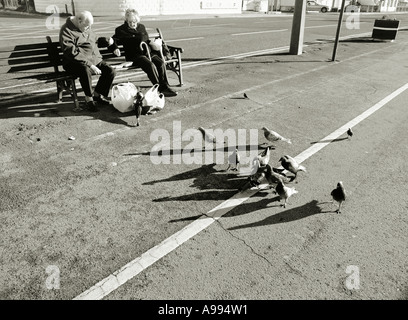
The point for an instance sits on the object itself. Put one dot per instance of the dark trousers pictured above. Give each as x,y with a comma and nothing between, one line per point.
84,73
155,69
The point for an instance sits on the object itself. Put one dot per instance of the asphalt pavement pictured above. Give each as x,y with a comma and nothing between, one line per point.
91,205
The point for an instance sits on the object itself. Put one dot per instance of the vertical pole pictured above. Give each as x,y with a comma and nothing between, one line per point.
338,29
298,27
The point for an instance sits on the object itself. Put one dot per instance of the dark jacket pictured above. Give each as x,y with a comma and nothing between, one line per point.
80,46
131,38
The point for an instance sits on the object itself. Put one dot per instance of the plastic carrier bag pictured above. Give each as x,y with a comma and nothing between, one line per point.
153,100
123,96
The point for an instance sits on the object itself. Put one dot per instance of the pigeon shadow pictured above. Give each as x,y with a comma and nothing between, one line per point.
309,209
186,219
334,140
246,208
201,196
241,148
195,173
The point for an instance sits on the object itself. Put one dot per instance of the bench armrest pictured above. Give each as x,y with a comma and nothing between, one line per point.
174,49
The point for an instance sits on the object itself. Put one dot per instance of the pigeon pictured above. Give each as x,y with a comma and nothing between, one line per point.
284,192
245,96
339,195
207,136
256,179
291,165
269,174
234,159
349,133
274,177
274,136
261,173
137,103
263,157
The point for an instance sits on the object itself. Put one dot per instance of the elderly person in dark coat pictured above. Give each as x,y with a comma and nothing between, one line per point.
131,33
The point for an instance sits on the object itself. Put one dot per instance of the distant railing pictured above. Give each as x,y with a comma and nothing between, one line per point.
367,8
11,4
402,8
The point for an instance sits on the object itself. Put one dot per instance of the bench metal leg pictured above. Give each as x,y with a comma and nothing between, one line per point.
60,90
180,74
74,95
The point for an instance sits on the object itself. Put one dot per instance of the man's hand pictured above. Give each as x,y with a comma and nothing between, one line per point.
110,41
116,52
96,70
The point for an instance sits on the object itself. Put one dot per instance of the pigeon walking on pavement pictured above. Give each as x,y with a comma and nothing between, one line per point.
207,136
291,165
268,173
245,96
272,136
284,192
137,103
263,157
349,133
234,160
339,195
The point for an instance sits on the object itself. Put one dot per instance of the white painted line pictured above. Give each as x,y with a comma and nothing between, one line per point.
133,268
205,26
28,37
186,39
23,34
21,85
257,32
235,56
20,26
121,276
271,21
327,25
365,34
320,145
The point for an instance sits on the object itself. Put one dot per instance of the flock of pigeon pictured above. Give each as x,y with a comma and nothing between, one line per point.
277,176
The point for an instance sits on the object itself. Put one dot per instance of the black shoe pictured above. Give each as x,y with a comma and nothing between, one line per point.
168,92
91,106
101,100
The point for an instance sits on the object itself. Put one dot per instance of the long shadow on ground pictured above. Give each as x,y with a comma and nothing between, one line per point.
307,210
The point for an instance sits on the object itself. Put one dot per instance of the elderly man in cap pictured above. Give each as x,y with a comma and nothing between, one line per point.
81,57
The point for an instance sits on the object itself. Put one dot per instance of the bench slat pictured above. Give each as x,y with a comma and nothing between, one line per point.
26,61
30,67
28,53
27,47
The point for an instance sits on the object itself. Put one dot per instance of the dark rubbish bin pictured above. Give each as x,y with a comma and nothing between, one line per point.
385,29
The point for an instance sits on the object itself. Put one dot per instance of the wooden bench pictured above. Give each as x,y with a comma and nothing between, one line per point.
43,61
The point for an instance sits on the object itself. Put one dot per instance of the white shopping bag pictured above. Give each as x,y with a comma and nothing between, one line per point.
153,99
123,96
